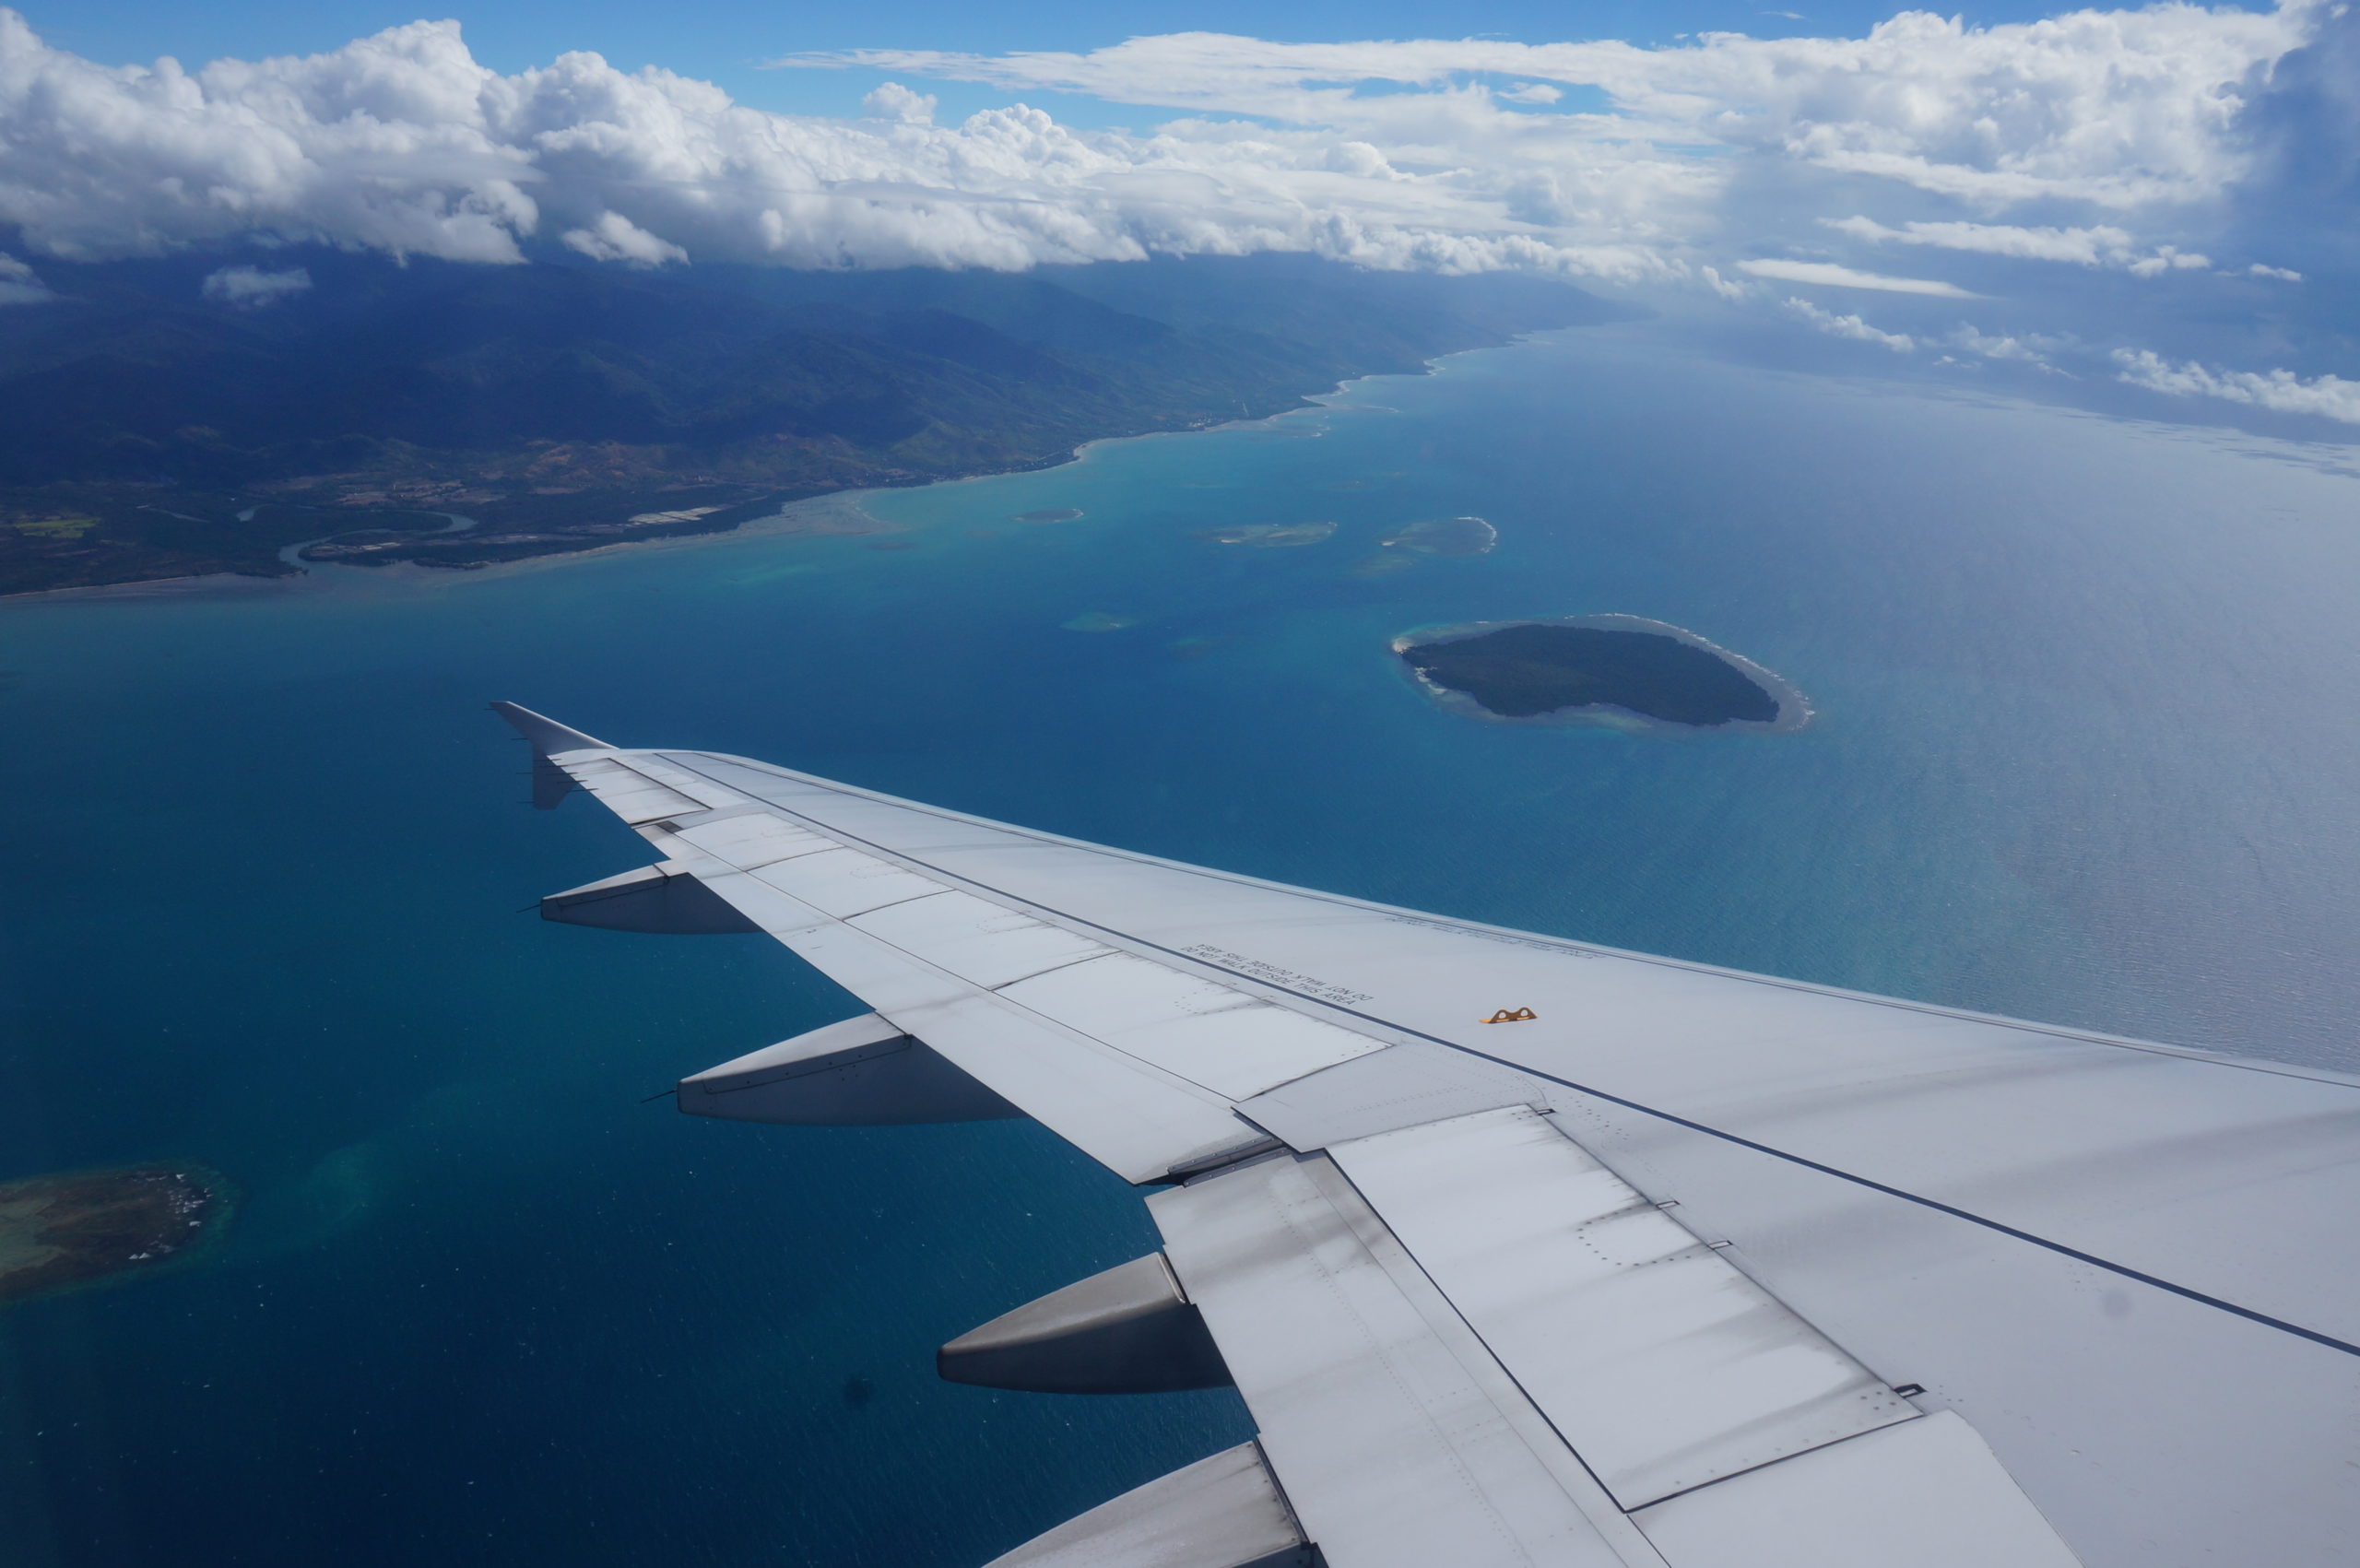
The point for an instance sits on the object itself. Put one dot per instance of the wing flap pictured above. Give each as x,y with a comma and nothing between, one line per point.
1400,1442
1664,1367
1928,1494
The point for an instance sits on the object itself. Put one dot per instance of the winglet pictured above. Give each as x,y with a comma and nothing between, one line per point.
547,735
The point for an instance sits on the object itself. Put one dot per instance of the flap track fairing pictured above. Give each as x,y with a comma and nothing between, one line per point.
1225,1512
1127,1330
656,900
862,1072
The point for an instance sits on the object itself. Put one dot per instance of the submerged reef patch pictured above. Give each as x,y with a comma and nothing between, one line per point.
1271,536
1444,536
1621,670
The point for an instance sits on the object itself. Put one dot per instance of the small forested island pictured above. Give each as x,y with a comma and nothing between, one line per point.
81,1227
1594,666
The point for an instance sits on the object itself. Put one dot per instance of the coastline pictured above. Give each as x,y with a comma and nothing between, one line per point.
832,514
1795,711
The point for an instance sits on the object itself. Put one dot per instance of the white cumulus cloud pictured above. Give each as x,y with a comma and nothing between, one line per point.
402,142
614,238
2282,391
891,100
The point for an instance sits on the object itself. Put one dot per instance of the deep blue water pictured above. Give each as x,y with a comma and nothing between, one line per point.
2086,751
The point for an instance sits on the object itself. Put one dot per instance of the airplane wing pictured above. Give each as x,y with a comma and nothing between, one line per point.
1522,1251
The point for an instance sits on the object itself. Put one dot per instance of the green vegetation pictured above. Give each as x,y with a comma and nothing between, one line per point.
56,527
563,407
1522,672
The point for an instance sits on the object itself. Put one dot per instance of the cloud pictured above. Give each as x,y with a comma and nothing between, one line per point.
2099,246
891,100
2284,391
19,285
403,143
2089,247
2118,108
2169,258
1972,340
1834,276
250,288
1850,326
2075,141
614,238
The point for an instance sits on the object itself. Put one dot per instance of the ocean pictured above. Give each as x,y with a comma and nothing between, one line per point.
2085,749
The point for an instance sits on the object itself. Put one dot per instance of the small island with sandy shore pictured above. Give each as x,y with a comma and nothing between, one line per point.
1621,670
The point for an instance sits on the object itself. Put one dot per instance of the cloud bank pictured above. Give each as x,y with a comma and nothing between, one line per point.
1448,155
2152,151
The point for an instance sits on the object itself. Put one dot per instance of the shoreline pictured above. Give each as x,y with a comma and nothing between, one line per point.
1795,711
788,520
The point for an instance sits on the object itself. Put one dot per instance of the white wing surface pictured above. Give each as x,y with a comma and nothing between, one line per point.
1669,1266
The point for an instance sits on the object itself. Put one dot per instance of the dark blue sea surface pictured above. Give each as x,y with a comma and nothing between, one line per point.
2087,749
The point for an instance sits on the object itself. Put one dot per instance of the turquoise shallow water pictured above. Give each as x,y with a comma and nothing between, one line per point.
2084,751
